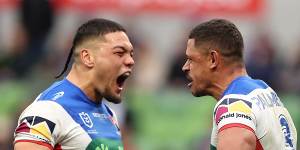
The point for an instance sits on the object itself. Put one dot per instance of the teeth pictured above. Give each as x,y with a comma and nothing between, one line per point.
127,73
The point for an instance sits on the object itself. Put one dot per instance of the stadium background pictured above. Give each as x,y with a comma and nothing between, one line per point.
158,112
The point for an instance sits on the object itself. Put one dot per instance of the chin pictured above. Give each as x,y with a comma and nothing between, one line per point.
114,99
198,93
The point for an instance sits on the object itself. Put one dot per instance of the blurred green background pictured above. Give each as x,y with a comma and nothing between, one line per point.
170,119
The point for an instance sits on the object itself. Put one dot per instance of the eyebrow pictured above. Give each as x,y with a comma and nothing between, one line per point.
123,48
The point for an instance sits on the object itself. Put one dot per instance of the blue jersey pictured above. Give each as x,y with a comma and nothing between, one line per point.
63,117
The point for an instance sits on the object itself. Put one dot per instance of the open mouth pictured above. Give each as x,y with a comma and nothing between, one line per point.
190,81
122,78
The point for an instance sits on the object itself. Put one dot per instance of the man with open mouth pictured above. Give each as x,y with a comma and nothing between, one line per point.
248,115
70,114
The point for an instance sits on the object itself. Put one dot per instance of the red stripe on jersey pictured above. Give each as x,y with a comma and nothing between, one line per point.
23,128
57,147
258,144
236,125
37,142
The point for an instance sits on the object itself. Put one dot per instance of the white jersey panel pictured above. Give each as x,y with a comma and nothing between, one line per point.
252,105
48,122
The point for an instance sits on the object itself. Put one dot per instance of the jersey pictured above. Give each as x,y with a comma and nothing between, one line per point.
253,105
63,117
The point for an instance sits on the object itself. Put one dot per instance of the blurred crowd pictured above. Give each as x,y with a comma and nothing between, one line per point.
34,50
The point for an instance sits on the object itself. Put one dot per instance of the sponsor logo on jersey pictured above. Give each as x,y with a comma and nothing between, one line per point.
233,107
99,115
286,131
233,115
86,119
105,144
58,95
38,127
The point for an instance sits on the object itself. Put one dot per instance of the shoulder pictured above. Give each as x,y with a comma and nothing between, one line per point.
232,105
52,92
39,122
244,85
48,109
235,110
49,113
238,96
59,91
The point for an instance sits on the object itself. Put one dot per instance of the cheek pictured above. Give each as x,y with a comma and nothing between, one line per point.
107,69
102,71
104,66
196,71
199,76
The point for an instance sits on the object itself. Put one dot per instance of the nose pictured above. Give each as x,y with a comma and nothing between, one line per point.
129,61
185,67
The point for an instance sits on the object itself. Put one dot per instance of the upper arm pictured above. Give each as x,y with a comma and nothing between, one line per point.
38,126
235,123
236,138
30,146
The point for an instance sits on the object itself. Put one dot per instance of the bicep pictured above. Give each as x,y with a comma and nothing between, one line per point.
236,138
30,146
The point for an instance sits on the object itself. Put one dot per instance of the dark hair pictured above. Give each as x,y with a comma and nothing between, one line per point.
91,29
220,34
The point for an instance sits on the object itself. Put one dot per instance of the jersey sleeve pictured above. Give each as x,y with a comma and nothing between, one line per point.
234,111
39,123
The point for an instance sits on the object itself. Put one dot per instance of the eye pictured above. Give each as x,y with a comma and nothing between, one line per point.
131,54
120,53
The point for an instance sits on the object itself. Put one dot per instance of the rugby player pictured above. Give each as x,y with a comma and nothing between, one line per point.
70,114
249,114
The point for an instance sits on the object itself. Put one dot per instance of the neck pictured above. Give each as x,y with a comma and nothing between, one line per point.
222,82
81,78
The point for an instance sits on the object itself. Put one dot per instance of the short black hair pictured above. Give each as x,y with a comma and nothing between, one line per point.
91,29
222,35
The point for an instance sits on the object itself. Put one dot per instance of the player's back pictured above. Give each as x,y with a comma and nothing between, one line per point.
253,103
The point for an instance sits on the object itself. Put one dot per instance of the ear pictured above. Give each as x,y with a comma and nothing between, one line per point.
214,59
87,58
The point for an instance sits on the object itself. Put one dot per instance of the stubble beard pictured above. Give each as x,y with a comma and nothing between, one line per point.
111,97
